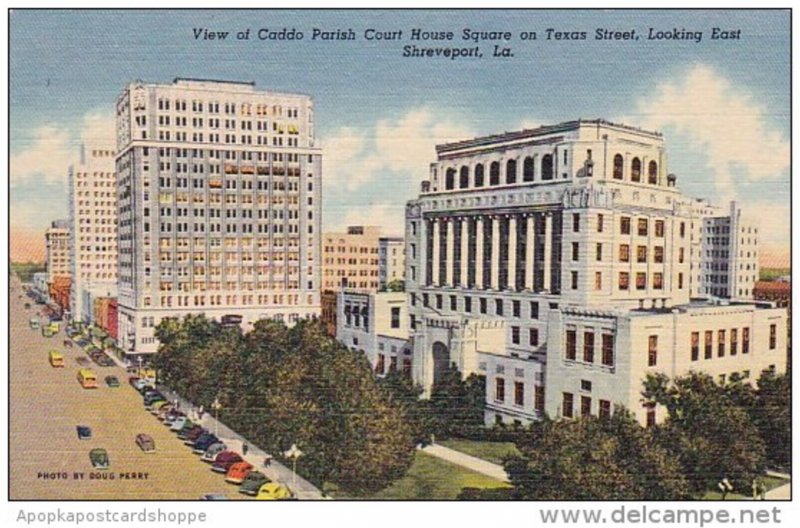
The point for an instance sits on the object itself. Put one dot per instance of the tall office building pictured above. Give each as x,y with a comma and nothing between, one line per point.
350,259
556,261
92,229
219,206
57,250
391,260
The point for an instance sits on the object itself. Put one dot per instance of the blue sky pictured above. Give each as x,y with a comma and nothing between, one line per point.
723,106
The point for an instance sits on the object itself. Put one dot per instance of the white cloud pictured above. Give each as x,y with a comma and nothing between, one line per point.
51,148
402,145
722,121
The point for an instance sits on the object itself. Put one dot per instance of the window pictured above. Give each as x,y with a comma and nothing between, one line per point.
652,172
598,252
652,351
636,170
515,335
658,254
608,350
658,281
381,364
463,178
566,405
498,306
625,225
450,179
547,167
519,393
588,347
599,223
468,304
683,229
533,337
483,305
641,254
734,343
575,251
641,227
745,340
494,173
573,279
660,228
641,281
604,409
538,398
511,171
773,336
624,279
576,222
527,169
651,414
721,343
618,166
479,175
395,317
680,256
586,405
515,308
453,303
695,344
500,390
709,345
598,280
534,306
571,345
624,253
680,281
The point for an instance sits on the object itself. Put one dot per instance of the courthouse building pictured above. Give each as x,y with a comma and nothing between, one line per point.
92,229
218,190
556,261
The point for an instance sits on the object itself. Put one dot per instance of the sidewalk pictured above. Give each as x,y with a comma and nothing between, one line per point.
781,492
276,472
478,465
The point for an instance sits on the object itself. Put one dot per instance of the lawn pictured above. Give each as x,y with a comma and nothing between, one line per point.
431,478
769,274
489,451
772,483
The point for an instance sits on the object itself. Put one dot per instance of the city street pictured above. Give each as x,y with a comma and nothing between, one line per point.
48,461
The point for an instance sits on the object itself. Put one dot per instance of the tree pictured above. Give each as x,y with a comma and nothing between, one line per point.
592,458
772,416
396,285
457,404
706,431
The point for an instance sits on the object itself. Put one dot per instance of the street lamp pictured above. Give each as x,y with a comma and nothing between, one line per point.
216,406
293,453
139,360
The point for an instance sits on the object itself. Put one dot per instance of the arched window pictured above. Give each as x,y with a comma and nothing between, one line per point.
479,175
527,169
652,172
547,167
511,171
494,173
618,166
636,170
450,179
463,180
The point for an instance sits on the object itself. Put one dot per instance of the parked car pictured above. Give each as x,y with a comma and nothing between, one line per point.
27,306
178,424
82,361
224,461
252,483
156,407
213,497
112,381
213,450
187,428
152,397
99,458
84,432
238,472
68,343
200,445
164,410
274,491
193,434
146,443
172,416
143,386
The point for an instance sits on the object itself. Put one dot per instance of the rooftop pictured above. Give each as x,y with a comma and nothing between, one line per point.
539,131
